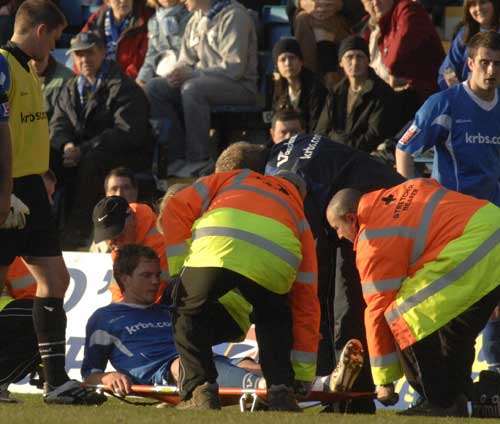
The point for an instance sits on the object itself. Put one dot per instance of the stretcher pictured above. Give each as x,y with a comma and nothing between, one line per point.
247,399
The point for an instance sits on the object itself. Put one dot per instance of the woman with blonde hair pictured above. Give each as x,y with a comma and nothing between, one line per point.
165,31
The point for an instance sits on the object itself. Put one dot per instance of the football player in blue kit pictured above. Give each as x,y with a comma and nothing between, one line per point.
136,335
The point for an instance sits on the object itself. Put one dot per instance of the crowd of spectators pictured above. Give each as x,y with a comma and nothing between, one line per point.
148,75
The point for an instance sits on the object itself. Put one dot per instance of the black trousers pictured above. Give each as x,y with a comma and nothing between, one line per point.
439,366
197,329
18,342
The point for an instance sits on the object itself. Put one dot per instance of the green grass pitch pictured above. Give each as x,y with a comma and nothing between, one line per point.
33,410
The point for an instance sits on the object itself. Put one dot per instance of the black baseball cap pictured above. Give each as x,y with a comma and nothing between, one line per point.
109,218
85,41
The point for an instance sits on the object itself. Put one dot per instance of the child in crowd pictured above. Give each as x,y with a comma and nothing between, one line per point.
320,27
479,15
165,30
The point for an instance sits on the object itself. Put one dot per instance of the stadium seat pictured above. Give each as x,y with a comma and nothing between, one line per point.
274,14
72,9
452,17
276,25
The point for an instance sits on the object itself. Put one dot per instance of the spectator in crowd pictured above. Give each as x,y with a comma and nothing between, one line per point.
217,66
296,87
123,25
52,75
361,111
121,182
461,125
285,125
165,31
405,49
351,9
100,122
320,27
479,15
428,262
118,222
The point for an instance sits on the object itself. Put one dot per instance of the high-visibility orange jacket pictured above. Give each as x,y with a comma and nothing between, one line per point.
20,284
253,225
425,254
146,234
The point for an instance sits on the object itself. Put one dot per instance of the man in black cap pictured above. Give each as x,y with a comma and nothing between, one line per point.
100,122
117,223
295,87
362,110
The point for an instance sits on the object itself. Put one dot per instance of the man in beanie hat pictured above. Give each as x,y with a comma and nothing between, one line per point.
295,87
360,112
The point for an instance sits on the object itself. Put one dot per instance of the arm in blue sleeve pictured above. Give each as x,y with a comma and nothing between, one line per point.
95,355
432,124
4,89
456,60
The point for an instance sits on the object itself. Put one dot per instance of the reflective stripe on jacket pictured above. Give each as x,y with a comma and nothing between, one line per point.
425,255
253,225
146,234
20,284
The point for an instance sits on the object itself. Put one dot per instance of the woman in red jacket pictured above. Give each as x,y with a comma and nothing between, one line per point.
123,25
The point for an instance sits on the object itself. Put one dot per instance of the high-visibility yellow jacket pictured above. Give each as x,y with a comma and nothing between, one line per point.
253,225
425,254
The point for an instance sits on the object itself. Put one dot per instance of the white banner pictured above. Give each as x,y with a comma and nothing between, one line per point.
88,290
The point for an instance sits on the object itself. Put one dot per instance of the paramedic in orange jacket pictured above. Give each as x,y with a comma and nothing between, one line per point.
430,273
119,223
246,231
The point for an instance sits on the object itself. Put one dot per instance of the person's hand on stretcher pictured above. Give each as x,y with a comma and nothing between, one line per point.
120,383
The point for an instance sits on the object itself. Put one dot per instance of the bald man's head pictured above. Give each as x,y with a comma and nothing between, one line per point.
341,213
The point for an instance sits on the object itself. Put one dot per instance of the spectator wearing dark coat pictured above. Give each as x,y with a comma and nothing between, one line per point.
100,122
296,87
124,27
361,111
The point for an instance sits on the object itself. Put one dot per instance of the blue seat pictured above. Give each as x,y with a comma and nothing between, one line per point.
72,9
276,32
274,15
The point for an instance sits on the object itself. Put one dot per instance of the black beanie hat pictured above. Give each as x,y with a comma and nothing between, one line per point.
286,45
353,42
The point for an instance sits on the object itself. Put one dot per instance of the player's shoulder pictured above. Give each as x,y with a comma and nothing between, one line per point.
439,102
107,313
